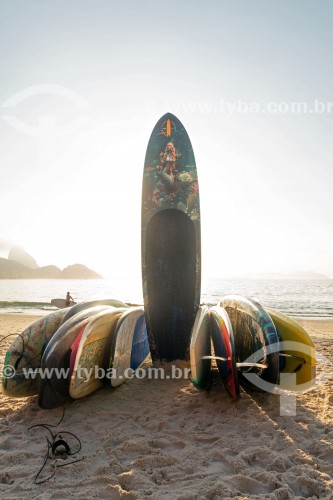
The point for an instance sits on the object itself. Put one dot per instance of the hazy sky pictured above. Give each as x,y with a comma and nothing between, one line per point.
83,84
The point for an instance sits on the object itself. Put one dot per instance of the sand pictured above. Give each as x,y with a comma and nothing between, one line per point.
164,439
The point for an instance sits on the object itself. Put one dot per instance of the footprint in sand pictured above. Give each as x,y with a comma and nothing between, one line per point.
167,445
248,485
9,443
6,479
220,466
307,488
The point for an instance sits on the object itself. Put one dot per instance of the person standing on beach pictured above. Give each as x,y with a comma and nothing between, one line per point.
68,299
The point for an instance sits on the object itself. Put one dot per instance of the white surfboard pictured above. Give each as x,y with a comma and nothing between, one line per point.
131,345
91,354
200,348
61,303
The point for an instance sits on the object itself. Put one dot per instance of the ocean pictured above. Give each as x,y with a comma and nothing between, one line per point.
312,299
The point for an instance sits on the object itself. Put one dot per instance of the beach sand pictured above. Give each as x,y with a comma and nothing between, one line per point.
164,439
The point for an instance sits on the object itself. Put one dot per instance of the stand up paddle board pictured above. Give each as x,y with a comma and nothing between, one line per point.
300,355
254,333
224,347
200,348
26,352
130,346
98,302
53,391
92,353
170,239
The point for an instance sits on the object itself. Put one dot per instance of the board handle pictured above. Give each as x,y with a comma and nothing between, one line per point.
239,365
216,357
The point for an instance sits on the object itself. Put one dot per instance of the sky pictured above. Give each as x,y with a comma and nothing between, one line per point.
83,84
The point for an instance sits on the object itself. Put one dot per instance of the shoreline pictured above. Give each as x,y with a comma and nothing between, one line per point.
309,324
41,314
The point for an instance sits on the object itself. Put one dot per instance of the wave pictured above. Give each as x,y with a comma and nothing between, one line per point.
309,314
26,305
294,310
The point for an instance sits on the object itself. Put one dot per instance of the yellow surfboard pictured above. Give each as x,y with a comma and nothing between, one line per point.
299,371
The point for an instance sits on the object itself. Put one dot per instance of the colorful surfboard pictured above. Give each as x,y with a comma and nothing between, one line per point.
298,353
224,347
53,391
170,240
130,345
26,352
199,348
256,339
85,305
93,352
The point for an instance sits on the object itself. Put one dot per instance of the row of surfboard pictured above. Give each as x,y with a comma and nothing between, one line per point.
249,345
253,347
63,351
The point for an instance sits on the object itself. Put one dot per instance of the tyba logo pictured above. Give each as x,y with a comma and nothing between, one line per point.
289,384
46,130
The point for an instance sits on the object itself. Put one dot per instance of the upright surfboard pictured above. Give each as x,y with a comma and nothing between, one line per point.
170,240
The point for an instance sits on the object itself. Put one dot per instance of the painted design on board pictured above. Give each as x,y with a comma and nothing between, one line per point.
167,127
26,351
92,355
170,240
249,336
170,176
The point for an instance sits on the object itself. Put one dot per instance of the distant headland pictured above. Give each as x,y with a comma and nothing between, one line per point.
21,265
